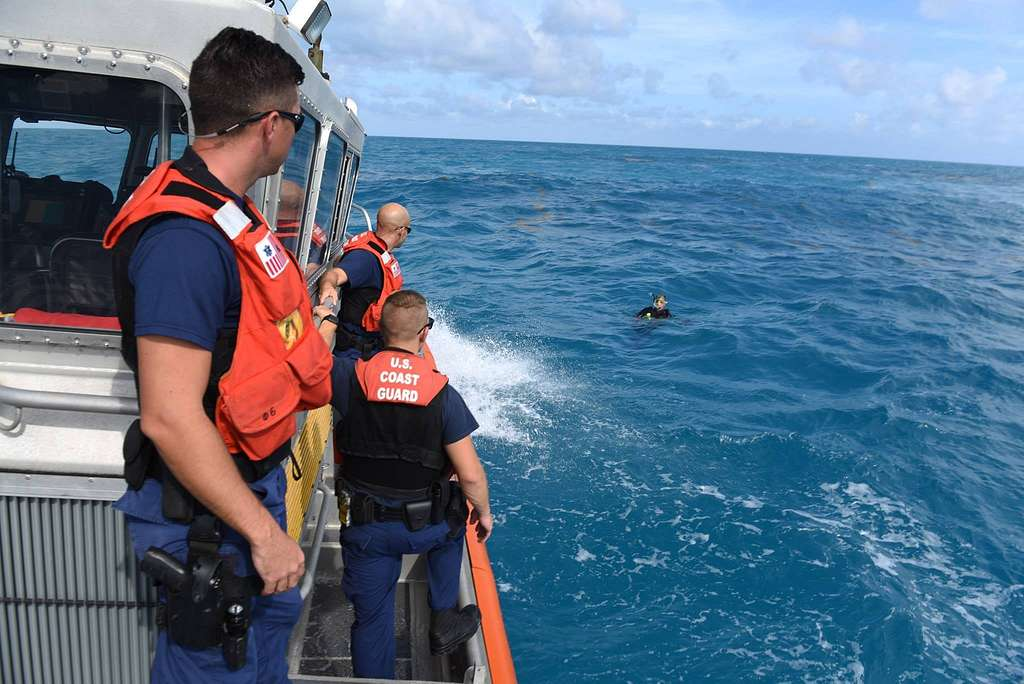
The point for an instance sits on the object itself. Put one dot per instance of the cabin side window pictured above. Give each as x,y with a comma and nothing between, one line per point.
74,148
350,191
291,202
175,149
327,204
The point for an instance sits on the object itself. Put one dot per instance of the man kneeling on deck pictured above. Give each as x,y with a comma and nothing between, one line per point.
402,432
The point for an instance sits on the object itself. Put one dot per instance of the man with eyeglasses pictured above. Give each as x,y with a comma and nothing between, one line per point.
367,274
402,432
212,314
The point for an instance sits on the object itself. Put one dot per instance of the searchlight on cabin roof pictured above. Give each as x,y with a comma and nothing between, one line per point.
310,18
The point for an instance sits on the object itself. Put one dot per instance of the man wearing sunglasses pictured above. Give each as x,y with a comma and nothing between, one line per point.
203,487
367,274
397,403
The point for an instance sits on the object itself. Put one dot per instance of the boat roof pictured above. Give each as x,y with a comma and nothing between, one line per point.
101,34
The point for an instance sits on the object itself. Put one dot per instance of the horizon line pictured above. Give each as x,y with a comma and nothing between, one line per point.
709,149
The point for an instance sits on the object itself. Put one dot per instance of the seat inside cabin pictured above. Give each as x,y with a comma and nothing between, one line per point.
75,146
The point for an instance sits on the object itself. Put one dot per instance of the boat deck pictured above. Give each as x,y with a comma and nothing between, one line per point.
320,651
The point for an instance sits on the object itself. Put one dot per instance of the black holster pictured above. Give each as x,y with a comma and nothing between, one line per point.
208,605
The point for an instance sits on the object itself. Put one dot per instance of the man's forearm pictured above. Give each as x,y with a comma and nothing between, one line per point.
197,457
476,492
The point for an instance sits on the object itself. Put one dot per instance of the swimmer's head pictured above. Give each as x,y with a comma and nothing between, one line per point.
660,301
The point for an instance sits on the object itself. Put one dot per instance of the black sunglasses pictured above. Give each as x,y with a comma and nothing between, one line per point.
296,119
429,325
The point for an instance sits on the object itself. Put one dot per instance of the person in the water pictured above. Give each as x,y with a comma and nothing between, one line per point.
658,308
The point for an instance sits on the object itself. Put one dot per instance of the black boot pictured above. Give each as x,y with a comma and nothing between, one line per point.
450,628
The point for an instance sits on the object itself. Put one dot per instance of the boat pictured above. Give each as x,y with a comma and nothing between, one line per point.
93,95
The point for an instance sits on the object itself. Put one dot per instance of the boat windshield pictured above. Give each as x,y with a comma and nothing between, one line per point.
74,147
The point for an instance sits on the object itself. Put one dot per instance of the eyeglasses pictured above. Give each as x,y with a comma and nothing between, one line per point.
429,325
296,119
408,231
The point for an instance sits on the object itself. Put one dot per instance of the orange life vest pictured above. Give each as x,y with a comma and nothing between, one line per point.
289,228
390,441
391,377
392,274
281,365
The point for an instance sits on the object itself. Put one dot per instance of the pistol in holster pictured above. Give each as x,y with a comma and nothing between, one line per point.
208,605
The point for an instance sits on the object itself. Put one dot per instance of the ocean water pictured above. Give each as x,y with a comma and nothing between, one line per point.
812,472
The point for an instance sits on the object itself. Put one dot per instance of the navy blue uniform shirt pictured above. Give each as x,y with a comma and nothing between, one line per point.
456,418
362,269
186,281
185,275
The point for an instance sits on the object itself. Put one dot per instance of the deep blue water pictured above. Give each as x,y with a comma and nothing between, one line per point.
813,472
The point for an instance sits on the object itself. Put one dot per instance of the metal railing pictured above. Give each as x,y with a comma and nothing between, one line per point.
366,215
13,400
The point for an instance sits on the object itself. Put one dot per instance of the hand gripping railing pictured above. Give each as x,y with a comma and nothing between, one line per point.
13,400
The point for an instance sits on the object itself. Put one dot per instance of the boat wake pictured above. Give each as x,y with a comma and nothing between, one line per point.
502,385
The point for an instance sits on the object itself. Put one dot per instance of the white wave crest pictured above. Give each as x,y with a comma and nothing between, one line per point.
499,383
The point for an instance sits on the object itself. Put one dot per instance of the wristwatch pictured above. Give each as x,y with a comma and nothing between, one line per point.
329,318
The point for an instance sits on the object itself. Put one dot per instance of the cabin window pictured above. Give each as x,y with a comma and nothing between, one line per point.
350,191
176,148
74,146
291,202
327,204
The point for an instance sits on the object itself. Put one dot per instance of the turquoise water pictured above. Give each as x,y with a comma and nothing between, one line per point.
811,473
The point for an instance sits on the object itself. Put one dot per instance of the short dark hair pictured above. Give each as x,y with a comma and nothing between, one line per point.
238,74
394,319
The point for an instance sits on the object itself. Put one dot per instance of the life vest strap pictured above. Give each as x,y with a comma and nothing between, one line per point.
194,192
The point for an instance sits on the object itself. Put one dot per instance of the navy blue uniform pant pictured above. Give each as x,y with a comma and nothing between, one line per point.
373,562
273,617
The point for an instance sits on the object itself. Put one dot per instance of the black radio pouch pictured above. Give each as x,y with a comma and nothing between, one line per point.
457,511
138,452
416,514
141,460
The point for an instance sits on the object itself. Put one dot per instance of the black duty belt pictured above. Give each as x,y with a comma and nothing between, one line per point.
415,514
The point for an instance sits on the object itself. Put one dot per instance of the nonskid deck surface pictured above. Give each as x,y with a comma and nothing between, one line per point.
329,616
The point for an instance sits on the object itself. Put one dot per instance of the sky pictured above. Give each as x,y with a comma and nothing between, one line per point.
914,79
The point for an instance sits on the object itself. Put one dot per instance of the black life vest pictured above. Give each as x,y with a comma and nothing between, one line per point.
390,442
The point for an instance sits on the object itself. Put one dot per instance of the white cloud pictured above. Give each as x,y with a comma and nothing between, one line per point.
963,88
847,34
718,86
857,76
587,17
652,81
521,101
861,120
462,36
